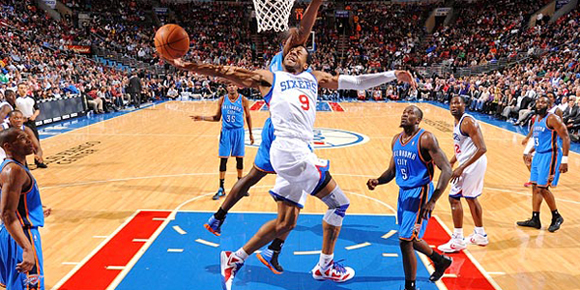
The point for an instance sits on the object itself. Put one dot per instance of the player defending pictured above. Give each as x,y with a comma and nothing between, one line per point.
262,165
22,214
414,152
231,110
467,178
549,161
292,95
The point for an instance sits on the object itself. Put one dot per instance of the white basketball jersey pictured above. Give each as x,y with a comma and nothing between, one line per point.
293,105
463,145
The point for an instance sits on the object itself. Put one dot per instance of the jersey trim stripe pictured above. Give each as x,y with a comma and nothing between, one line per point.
268,96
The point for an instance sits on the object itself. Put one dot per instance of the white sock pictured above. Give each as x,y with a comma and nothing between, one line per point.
480,231
458,233
325,260
240,253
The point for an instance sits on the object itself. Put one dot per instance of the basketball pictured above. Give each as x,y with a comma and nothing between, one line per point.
171,41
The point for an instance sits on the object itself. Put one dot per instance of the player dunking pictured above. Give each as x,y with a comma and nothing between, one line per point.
550,160
22,213
467,178
262,165
231,110
292,96
414,152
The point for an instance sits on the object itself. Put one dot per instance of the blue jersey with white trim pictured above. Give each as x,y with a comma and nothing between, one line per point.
545,139
412,170
29,210
232,113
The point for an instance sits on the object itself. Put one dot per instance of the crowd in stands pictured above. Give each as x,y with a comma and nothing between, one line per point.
34,49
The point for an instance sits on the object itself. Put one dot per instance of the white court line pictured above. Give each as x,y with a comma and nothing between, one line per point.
140,240
470,256
70,263
449,276
204,242
390,255
115,267
430,270
95,251
496,273
175,250
358,246
179,230
158,219
389,234
376,200
146,246
301,253
100,237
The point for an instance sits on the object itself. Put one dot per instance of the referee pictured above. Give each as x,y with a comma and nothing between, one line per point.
27,105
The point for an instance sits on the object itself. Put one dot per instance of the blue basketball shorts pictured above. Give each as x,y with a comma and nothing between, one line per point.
11,255
262,161
545,165
232,143
411,201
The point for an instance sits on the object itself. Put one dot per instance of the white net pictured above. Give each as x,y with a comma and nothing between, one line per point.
273,14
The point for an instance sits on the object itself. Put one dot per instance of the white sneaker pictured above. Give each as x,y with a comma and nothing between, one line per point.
454,245
335,272
477,239
229,266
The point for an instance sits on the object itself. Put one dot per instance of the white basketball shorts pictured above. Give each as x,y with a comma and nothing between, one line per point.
470,184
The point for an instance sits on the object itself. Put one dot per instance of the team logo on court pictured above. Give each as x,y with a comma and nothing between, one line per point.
323,138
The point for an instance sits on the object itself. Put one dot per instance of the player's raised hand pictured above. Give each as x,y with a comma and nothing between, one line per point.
407,77
27,262
372,184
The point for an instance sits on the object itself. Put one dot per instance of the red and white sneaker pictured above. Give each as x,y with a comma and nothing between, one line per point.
477,239
454,245
229,264
335,272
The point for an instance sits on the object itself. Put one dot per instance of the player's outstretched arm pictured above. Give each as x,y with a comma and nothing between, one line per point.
13,179
261,79
214,118
300,35
557,124
429,143
362,82
388,175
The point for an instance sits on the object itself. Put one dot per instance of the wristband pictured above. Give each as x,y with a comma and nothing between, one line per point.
565,159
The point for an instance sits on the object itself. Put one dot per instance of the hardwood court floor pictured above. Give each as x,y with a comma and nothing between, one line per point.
158,158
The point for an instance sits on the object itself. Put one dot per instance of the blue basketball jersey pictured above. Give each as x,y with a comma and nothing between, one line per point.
232,113
545,139
412,170
29,211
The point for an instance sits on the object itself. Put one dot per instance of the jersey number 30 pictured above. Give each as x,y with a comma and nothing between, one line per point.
305,102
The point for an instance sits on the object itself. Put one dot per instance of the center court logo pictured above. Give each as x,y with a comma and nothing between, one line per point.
323,138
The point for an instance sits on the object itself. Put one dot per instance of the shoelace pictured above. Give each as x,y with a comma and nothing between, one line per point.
340,268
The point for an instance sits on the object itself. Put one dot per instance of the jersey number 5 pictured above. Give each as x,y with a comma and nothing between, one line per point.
305,102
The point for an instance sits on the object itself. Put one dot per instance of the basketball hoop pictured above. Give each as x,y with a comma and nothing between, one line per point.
273,14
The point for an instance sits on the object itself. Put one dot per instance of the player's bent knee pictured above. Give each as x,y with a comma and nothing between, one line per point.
337,204
285,226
